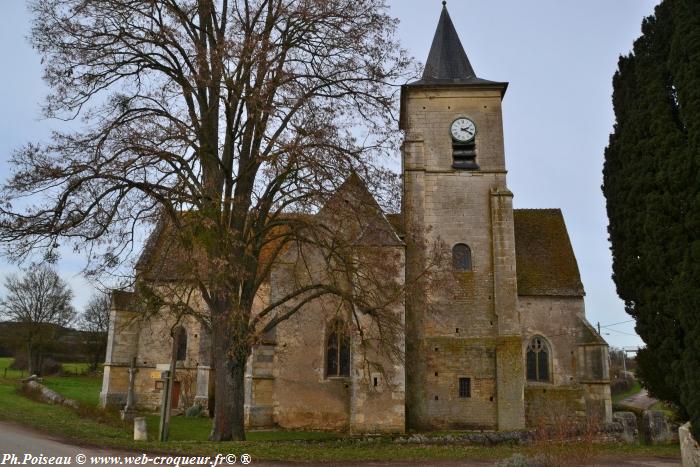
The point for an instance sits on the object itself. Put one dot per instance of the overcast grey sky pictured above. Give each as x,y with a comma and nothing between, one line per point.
559,57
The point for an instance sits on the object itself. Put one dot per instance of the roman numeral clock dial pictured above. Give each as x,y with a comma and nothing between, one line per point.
463,132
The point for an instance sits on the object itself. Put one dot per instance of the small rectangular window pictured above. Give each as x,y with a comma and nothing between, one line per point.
465,387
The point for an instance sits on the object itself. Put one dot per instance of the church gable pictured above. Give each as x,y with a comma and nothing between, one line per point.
545,260
162,259
352,206
363,222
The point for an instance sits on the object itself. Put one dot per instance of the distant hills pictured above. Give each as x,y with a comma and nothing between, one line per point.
67,345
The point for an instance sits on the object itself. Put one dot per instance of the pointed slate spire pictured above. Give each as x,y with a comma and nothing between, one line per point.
447,66
447,60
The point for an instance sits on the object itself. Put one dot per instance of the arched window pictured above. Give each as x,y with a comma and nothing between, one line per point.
181,344
461,257
538,360
337,351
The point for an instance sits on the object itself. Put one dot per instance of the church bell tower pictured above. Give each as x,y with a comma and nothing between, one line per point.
464,355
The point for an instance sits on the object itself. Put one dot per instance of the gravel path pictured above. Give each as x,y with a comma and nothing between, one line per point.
641,400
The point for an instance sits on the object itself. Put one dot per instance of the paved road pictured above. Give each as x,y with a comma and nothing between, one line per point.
21,441
641,400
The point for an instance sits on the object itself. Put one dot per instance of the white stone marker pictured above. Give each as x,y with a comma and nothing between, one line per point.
140,429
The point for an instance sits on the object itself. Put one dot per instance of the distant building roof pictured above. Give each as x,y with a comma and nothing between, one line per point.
545,260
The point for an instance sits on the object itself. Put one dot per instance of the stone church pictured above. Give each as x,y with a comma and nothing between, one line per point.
511,348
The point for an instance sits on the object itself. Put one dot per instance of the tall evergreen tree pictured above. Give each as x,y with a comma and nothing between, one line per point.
651,183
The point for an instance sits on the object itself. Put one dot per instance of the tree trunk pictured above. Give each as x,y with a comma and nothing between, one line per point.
31,367
229,386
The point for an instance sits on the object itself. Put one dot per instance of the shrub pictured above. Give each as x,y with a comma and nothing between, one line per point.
620,385
49,366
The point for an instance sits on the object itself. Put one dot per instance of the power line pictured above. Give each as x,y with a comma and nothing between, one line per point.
615,324
625,333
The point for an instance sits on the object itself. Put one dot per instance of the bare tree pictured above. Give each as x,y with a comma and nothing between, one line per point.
94,320
216,118
40,301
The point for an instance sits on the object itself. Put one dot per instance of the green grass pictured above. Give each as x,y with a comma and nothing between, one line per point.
7,372
72,368
670,411
636,387
188,436
198,429
75,368
85,389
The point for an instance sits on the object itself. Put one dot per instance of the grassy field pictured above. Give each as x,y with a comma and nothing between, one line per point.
198,429
189,436
75,368
7,372
85,389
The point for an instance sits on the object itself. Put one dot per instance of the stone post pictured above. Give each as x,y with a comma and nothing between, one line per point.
140,429
129,410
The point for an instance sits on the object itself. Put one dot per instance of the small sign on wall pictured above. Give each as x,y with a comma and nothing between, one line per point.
155,374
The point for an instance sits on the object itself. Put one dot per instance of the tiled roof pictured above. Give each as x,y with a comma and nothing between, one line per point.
545,260
163,259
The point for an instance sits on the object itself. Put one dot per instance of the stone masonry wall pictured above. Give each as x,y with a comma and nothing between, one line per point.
578,356
304,397
452,206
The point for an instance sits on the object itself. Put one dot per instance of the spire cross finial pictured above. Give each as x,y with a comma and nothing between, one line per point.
444,3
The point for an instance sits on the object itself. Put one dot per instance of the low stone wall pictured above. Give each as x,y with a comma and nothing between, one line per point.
48,395
628,423
649,426
484,438
656,428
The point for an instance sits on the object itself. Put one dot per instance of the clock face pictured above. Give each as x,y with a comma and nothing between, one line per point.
463,130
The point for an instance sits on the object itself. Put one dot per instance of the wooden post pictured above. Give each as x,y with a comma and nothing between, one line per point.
168,390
